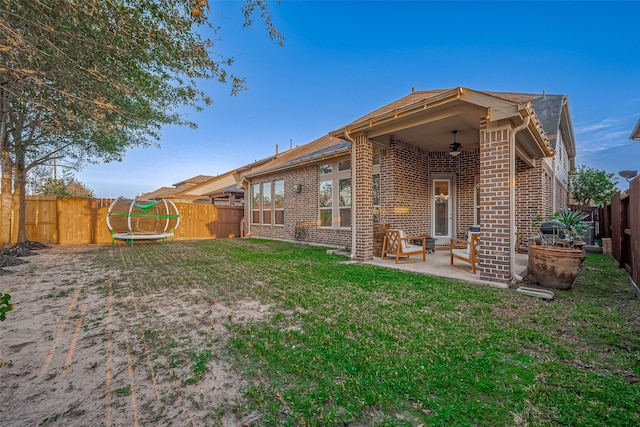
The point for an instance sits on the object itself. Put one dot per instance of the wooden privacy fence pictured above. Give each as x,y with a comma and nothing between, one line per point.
620,221
71,221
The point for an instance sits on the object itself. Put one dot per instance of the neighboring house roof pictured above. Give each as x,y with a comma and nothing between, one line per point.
636,132
160,193
233,189
213,184
193,181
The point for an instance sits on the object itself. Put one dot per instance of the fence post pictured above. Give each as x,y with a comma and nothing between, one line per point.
634,225
616,227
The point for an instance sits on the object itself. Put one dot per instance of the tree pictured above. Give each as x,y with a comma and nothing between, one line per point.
89,79
65,188
589,185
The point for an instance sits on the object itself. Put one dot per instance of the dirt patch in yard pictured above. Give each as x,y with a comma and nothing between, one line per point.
86,346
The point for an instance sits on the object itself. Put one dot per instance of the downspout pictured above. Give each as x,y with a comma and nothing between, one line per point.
248,207
353,189
512,197
553,184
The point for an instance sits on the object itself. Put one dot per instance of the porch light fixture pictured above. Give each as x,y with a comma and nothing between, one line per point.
455,146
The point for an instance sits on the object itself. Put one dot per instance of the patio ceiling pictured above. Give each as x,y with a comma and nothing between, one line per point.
428,122
434,132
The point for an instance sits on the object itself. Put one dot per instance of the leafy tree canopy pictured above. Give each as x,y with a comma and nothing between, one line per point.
65,188
592,186
112,71
88,79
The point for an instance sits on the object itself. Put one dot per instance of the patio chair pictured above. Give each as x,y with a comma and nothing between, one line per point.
467,250
398,244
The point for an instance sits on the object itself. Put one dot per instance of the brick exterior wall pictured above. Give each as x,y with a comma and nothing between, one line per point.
406,178
535,195
299,208
404,187
494,211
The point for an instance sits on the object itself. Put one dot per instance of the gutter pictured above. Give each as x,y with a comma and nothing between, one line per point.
512,197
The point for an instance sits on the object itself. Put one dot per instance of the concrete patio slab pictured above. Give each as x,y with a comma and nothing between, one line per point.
438,265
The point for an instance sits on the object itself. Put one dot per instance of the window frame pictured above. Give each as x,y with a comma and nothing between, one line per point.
268,215
278,212
376,194
256,210
336,174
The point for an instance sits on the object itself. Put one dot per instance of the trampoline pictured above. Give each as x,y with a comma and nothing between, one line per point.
133,219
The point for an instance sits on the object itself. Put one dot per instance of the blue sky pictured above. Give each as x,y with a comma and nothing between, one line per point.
341,60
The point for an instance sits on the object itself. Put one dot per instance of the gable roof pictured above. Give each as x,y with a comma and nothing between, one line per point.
549,114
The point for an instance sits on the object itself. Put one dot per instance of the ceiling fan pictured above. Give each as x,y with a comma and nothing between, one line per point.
455,145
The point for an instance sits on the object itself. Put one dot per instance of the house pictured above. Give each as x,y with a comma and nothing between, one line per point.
221,190
433,163
179,187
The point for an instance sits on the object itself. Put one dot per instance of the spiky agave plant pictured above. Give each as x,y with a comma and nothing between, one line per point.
573,221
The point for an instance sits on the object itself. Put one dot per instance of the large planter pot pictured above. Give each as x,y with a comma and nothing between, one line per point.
580,245
554,267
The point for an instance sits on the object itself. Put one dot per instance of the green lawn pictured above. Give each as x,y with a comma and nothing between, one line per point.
351,344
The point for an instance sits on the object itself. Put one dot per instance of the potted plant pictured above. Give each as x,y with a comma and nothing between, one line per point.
572,221
554,258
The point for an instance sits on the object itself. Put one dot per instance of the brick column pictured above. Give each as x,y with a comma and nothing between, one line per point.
494,204
363,198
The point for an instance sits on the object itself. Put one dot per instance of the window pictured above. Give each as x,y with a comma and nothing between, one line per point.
376,188
256,200
278,202
376,197
344,165
267,203
326,169
326,203
345,202
334,194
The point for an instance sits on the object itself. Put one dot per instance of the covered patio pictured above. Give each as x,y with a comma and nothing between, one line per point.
438,265
423,167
